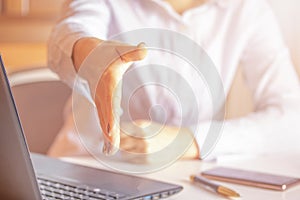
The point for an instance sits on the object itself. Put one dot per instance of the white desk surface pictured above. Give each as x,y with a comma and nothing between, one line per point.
180,171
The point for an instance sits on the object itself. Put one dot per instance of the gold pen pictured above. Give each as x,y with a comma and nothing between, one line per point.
217,188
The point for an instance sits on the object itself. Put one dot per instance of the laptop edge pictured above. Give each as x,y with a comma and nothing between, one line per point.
17,176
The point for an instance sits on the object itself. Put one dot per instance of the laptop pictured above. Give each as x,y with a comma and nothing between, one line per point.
33,176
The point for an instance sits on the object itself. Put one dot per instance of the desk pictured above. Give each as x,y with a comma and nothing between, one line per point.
180,171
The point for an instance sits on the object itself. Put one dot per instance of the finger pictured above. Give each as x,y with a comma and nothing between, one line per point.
104,113
101,115
110,82
103,123
112,146
114,111
104,103
112,133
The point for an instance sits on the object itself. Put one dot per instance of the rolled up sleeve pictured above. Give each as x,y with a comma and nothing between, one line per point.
79,19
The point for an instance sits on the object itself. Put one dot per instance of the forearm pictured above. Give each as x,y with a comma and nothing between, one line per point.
262,132
192,152
181,138
76,24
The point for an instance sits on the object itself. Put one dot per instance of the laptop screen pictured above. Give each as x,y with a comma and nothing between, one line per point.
17,178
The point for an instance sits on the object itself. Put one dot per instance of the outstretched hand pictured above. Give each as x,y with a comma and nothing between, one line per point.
109,92
115,59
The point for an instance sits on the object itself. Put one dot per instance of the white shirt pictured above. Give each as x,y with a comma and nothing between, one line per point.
233,33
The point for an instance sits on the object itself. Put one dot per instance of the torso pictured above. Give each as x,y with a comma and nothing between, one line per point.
208,26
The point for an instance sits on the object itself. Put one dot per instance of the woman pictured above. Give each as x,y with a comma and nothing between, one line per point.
232,32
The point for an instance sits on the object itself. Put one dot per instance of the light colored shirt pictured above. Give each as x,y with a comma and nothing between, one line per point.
233,33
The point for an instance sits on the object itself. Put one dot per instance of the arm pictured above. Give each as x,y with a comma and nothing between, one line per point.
270,75
147,137
76,23
82,48
73,41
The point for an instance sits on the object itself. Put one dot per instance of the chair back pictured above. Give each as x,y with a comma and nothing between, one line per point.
40,99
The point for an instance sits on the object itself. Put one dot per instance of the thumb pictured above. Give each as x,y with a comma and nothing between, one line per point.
132,53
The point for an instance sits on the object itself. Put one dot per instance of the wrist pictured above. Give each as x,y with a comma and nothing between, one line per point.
82,48
193,152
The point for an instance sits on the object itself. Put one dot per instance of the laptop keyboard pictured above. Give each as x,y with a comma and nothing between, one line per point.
55,190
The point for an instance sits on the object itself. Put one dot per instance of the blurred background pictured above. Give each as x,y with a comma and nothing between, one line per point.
26,24
24,29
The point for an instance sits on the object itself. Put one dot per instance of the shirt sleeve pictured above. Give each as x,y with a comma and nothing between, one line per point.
79,19
273,126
